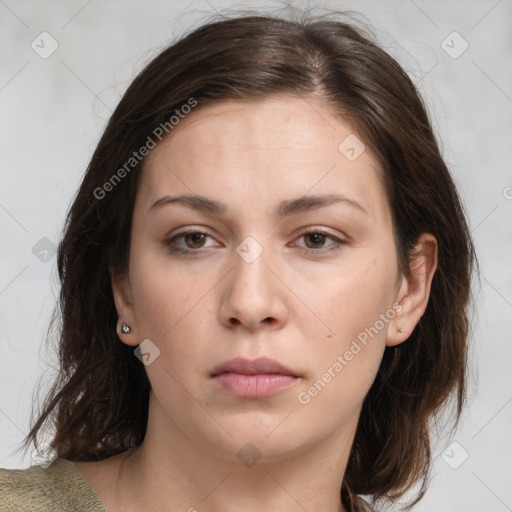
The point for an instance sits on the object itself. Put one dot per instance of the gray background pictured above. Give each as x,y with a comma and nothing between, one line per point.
53,111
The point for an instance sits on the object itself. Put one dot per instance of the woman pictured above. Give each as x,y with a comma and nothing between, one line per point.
265,276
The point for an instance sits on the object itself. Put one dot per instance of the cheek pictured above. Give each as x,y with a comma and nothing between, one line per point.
171,314
355,311
351,301
173,310
344,364
164,292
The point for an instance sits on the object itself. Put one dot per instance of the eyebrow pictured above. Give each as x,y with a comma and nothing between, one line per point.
286,208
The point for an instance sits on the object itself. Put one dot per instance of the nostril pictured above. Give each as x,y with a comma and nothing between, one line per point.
269,319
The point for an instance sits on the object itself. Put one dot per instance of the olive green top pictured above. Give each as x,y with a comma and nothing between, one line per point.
56,488
61,488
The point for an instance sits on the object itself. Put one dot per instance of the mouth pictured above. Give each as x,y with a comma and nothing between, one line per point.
258,378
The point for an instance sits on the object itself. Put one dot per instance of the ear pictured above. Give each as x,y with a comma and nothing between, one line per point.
125,311
414,290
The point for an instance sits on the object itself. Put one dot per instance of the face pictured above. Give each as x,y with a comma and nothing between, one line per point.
283,250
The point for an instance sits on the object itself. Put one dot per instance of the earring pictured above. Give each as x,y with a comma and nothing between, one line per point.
400,330
126,329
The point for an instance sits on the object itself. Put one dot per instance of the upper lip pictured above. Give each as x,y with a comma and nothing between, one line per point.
262,365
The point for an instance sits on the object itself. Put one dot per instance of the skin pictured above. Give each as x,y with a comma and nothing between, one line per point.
292,304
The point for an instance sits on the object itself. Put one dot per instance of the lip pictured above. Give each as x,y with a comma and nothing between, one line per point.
262,365
258,378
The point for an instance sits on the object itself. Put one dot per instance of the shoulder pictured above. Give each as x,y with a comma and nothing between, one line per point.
56,488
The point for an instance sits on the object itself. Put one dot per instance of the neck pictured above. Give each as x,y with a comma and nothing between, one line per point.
179,474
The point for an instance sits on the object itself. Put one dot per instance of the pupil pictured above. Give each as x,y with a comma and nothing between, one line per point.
317,238
196,237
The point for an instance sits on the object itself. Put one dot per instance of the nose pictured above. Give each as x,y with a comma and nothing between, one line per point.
253,295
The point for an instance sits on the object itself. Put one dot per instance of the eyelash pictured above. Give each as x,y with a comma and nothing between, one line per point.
334,247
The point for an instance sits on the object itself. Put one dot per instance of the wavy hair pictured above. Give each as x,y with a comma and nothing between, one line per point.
98,405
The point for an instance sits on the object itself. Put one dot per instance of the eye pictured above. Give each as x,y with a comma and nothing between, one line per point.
192,238
316,238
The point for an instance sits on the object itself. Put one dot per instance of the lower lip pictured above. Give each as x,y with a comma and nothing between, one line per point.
254,386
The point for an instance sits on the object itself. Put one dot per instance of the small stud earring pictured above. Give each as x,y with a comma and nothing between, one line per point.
400,330
126,329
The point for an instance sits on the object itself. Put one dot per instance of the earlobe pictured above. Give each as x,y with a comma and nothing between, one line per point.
126,326
414,291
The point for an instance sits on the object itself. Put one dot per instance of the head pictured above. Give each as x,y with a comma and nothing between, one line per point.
262,117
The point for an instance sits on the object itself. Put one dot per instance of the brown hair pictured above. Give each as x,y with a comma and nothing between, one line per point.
99,403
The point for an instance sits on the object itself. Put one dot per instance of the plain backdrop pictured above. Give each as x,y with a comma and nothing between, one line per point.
54,108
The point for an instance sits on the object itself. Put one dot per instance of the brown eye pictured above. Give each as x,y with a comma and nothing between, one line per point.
196,240
317,240
190,241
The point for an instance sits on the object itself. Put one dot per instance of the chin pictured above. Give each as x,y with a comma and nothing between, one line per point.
265,437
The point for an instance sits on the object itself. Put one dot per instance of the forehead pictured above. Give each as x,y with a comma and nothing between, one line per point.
264,150
304,124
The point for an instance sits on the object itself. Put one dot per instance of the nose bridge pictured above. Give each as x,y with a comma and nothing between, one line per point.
251,275
253,294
